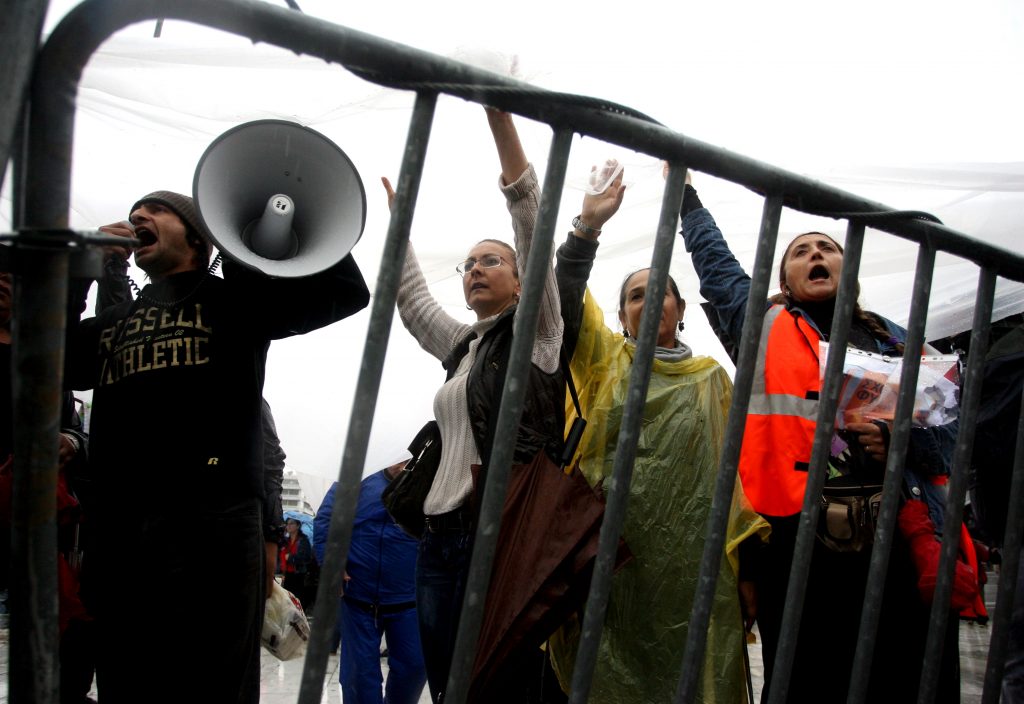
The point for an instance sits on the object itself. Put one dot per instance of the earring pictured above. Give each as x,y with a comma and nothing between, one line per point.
469,307
681,326
625,333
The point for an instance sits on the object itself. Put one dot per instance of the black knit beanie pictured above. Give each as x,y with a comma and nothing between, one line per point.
184,207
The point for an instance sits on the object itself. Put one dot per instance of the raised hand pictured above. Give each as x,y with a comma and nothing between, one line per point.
120,229
599,208
390,191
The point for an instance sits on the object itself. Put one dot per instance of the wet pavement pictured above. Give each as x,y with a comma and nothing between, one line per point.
280,680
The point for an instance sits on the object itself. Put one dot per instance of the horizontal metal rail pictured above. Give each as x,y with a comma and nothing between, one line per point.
89,24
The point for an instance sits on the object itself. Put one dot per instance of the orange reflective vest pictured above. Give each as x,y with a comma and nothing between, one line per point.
783,409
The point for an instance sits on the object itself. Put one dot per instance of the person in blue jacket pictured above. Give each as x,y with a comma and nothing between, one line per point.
379,598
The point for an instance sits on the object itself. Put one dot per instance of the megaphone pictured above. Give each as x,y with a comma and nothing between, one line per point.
279,198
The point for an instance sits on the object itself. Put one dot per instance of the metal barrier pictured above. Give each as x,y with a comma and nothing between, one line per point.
45,246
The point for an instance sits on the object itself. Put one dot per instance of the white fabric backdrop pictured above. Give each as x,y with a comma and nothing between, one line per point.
915,105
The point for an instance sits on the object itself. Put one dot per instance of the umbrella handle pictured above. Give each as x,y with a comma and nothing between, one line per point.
746,662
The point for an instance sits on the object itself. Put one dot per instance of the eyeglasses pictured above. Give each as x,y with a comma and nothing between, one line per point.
488,261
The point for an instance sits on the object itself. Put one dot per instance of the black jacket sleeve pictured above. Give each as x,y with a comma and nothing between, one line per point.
281,307
273,477
113,287
575,258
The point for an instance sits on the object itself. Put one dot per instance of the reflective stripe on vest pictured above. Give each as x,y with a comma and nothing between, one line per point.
783,409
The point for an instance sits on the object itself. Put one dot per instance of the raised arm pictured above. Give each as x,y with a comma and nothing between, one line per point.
522,195
436,331
510,149
281,307
576,255
113,286
722,280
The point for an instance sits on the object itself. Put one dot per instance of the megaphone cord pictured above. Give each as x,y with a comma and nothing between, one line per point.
177,302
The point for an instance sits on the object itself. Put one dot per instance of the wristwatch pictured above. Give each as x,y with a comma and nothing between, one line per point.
583,227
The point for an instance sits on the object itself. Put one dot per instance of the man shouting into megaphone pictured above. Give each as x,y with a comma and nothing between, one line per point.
176,578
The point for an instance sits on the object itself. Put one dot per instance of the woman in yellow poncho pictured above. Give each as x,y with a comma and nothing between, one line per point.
671,491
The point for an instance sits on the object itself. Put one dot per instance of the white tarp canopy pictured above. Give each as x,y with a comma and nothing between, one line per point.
916,105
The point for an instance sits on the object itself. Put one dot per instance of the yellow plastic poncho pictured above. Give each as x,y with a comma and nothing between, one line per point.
670,501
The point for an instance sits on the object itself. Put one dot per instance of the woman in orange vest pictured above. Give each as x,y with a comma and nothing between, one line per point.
773,469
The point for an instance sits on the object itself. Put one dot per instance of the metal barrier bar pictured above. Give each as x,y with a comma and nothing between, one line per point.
92,22
629,435
1008,575
38,328
969,403
46,194
365,401
512,400
805,537
891,486
19,39
711,560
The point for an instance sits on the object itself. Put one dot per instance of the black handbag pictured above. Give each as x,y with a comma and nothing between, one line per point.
404,495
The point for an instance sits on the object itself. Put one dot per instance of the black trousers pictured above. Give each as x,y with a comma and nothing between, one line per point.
831,618
180,603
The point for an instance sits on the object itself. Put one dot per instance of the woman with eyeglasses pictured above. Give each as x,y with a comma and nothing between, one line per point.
671,488
475,356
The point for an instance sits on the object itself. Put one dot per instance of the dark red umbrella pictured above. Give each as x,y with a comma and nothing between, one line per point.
542,565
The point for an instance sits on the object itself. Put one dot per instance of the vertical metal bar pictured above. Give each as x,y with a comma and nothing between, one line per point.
22,26
875,588
38,328
506,430
969,403
711,560
38,361
1009,574
629,436
365,401
829,398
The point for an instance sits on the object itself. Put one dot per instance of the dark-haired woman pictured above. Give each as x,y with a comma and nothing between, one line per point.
671,489
773,467
475,356
295,559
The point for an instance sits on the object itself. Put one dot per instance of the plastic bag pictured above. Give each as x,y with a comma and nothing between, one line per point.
599,178
285,628
871,383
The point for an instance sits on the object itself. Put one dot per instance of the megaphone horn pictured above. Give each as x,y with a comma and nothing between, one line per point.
279,198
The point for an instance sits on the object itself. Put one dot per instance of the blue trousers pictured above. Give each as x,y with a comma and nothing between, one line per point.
360,674
442,566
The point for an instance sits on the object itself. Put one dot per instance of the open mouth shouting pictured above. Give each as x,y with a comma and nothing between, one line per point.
819,272
812,267
145,237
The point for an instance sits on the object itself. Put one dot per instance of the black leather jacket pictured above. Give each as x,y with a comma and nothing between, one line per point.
542,425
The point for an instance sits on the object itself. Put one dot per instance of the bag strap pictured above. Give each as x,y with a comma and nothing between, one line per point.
572,440
567,373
